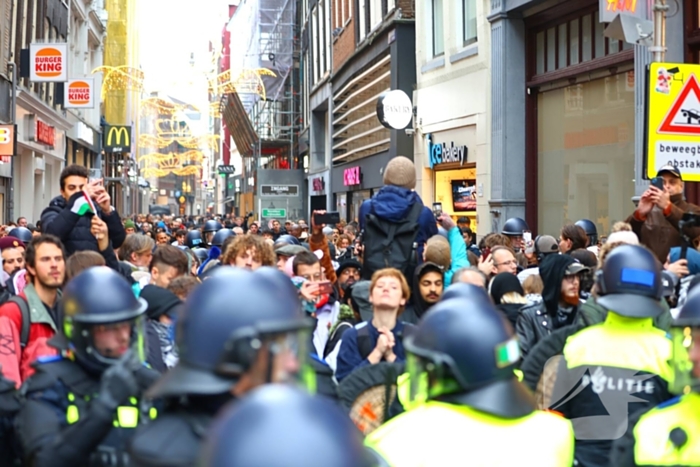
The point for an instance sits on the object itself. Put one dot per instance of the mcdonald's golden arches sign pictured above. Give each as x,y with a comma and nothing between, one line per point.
117,138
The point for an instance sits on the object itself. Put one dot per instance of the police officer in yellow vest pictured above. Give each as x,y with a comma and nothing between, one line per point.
83,406
669,434
474,411
613,369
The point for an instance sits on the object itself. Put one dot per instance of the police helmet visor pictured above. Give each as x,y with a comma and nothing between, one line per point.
685,359
105,343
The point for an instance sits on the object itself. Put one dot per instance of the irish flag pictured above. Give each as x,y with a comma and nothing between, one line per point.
84,205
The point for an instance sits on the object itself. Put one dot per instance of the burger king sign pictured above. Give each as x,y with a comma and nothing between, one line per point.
48,62
79,93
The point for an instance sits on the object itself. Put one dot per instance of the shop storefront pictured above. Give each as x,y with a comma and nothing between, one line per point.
82,145
355,182
452,167
318,191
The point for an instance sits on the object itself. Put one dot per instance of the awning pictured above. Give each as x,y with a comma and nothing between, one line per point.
238,123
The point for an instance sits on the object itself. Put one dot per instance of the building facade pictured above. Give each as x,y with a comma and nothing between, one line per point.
452,128
374,52
567,113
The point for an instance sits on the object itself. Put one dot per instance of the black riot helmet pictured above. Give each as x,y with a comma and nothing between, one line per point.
219,334
287,239
209,229
685,336
514,227
99,296
469,352
629,282
591,231
307,431
22,233
194,239
221,236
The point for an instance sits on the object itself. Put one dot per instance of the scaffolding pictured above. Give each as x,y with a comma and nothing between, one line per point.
265,74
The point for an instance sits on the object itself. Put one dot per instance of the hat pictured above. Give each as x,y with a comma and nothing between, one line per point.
575,268
504,283
623,236
160,301
289,250
10,242
546,244
129,224
672,169
348,263
400,171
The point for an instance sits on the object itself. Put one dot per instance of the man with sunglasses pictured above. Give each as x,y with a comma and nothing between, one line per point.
82,407
228,347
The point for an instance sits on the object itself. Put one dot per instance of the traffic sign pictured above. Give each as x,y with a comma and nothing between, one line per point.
274,213
226,169
673,123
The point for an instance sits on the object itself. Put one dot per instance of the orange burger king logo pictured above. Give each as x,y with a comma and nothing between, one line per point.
79,93
48,63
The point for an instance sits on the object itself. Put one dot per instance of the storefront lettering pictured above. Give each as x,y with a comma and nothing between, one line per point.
45,133
629,6
441,153
318,184
351,176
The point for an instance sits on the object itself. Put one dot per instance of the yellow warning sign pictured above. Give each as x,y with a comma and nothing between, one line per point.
673,122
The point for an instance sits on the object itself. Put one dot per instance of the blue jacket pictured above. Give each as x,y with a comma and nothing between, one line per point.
349,357
393,204
458,254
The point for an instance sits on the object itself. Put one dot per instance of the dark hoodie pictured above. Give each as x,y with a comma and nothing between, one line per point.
537,321
419,306
393,203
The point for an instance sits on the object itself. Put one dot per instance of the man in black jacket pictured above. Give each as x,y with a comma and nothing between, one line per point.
64,218
560,305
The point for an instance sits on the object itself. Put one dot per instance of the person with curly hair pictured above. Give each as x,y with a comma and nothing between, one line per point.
249,251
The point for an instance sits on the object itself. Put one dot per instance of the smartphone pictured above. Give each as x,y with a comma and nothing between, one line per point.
658,182
330,217
437,210
485,253
325,287
527,241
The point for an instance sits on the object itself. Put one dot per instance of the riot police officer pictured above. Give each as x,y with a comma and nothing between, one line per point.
514,229
209,229
667,434
239,330
83,406
216,250
591,231
194,239
463,387
281,426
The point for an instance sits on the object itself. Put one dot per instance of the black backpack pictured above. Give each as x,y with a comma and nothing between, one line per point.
391,244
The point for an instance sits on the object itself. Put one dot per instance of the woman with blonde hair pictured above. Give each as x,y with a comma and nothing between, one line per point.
508,295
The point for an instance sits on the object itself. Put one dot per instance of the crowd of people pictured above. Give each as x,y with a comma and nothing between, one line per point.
394,339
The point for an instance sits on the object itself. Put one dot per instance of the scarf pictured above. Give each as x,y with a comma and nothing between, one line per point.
169,351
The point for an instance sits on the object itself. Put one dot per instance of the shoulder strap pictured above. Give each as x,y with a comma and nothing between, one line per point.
74,377
364,342
26,318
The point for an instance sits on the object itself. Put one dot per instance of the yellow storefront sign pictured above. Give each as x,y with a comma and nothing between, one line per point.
673,121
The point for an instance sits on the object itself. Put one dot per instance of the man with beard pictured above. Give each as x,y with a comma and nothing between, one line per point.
33,313
347,273
12,254
428,282
560,305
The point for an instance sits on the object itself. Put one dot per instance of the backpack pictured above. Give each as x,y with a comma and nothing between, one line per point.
389,244
5,297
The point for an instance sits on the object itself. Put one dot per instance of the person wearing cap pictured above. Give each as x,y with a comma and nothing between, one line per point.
666,434
467,407
129,227
284,252
394,202
543,246
607,372
560,301
656,219
12,254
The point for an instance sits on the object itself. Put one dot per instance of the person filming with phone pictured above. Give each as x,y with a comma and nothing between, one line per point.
660,208
69,215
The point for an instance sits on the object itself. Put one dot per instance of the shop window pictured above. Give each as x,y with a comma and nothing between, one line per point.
573,42
585,153
438,30
469,21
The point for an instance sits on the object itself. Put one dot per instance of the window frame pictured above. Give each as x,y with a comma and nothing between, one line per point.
437,28
468,40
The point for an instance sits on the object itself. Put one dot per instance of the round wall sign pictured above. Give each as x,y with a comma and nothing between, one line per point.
394,109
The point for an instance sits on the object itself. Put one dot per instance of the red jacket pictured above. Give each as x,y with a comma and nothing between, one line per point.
15,361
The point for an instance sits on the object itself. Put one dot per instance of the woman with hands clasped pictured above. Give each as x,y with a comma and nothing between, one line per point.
381,338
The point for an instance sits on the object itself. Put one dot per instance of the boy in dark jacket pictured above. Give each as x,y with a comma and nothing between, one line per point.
69,221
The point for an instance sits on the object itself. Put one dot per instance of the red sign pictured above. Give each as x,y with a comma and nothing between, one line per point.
351,176
317,184
7,142
45,133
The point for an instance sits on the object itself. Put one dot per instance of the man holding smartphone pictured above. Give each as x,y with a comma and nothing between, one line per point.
660,208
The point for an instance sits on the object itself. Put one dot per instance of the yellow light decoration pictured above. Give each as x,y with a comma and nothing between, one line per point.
195,142
119,78
248,81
